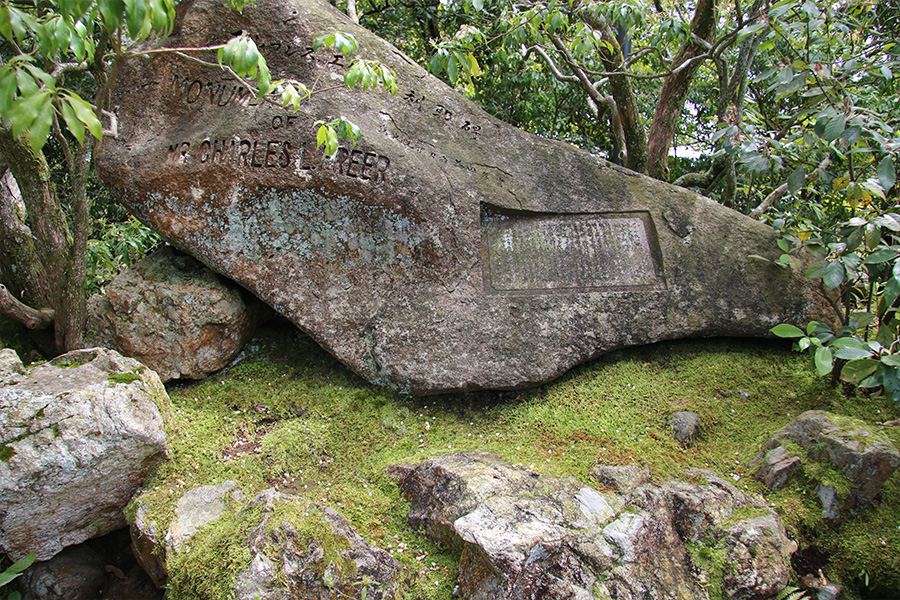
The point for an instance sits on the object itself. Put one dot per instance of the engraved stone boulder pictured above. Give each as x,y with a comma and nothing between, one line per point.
446,251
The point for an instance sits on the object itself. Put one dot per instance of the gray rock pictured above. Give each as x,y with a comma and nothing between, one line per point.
685,426
76,573
778,467
11,368
526,535
173,314
862,458
197,508
446,251
332,561
358,570
620,478
145,543
79,434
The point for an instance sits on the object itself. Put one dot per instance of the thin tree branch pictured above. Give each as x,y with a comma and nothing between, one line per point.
782,189
31,318
548,60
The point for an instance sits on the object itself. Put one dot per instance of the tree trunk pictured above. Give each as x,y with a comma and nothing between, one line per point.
20,265
623,93
53,243
352,12
675,88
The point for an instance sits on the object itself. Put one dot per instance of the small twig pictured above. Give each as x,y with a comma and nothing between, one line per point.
782,189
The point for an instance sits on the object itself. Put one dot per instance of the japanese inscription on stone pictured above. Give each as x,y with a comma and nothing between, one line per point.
541,252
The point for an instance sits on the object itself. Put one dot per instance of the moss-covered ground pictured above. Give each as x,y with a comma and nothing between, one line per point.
289,416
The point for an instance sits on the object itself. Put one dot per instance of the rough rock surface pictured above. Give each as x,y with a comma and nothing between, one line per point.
526,535
285,564
621,478
860,460
199,507
446,251
78,435
302,559
685,426
11,368
173,314
76,573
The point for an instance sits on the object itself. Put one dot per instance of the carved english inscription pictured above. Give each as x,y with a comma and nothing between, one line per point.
529,252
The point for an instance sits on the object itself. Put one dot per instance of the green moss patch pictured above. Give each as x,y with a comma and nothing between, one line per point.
6,453
289,416
123,378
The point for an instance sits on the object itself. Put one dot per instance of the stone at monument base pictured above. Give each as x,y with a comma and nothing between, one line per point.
447,251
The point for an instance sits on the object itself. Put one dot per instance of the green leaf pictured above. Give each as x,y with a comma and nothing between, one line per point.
856,371
135,14
882,255
833,276
796,180
890,294
816,270
16,569
84,112
835,127
824,360
887,176
75,126
112,12
851,353
452,69
847,342
785,330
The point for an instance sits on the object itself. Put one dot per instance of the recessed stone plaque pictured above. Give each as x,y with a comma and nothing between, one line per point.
543,253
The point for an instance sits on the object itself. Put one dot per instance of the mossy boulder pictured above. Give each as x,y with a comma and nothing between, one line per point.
845,461
528,535
446,251
274,547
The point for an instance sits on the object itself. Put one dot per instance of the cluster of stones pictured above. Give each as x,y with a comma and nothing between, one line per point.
524,535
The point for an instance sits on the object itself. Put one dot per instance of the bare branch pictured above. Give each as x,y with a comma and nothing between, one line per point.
782,189
31,318
548,60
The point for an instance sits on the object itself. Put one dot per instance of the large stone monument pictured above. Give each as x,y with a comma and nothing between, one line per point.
447,250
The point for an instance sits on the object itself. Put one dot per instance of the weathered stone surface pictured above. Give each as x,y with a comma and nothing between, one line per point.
527,535
778,467
173,314
146,543
76,573
446,251
78,435
621,478
859,459
199,507
327,557
359,570
685,426
11,368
